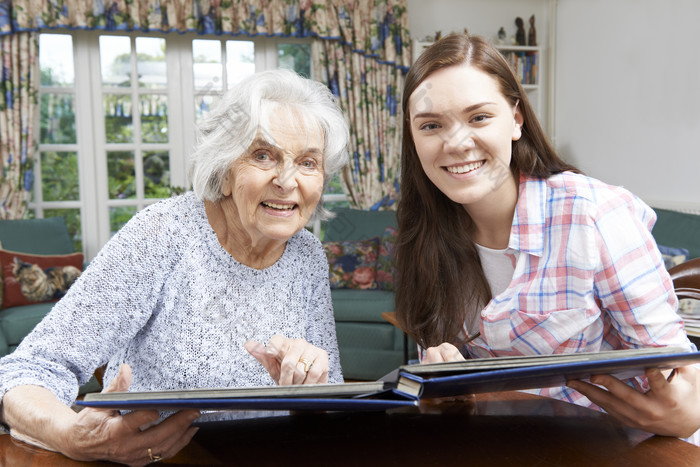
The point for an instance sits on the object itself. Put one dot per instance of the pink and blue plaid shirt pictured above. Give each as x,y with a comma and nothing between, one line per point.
588,277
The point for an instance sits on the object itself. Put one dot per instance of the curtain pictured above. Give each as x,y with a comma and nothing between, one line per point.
18,107
361,48
369,93
365,70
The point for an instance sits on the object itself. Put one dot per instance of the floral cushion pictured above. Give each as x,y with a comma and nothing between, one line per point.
385,260
31,278
351,264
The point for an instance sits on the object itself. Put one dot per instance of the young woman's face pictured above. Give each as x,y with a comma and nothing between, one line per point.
463,129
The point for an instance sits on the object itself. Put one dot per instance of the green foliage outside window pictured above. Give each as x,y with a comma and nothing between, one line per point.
59,176
57,119
118,216
295,57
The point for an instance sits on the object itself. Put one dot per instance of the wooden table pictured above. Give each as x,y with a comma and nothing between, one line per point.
507,428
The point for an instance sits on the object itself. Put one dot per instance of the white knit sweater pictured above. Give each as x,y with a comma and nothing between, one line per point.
166,298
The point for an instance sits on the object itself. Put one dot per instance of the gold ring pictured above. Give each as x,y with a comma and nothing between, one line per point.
307,364
154,457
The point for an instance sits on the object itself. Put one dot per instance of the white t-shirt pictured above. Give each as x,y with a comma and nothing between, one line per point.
498,266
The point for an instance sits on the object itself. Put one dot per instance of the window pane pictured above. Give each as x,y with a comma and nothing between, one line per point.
150,62
156,174
72,217
57,119
335,186
59,176
295,57
203,104
154,118
208,69
119,127
56,60
121,174
115,58
118,216
240,61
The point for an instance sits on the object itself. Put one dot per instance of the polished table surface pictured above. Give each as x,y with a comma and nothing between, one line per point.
508,428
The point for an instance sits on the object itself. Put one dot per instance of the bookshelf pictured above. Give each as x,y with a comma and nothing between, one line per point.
528,63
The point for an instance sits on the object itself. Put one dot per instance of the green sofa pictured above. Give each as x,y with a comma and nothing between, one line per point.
370,347
35,236
47,236
678,230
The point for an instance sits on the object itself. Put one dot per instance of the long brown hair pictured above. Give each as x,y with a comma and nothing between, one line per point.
439,274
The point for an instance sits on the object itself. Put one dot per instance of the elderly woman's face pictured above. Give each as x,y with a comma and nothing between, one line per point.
278,182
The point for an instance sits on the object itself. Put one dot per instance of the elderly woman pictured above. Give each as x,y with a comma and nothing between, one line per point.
194,289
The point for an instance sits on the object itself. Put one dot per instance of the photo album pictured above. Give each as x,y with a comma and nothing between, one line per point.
408,384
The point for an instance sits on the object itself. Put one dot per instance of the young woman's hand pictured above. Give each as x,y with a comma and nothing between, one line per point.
101,434
291,361
670,407
442,353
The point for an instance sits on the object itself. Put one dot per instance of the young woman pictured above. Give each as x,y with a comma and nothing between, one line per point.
505,249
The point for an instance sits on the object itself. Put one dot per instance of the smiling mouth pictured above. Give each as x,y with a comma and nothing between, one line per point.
279,207
462,169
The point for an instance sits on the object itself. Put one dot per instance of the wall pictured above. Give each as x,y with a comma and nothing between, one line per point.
627,101
626,94
484,18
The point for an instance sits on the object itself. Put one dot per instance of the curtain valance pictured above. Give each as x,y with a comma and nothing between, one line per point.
374,28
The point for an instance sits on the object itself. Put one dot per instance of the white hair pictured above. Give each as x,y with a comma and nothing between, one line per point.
244,112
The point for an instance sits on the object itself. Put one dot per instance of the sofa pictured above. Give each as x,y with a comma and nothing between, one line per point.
370,346
677,230
34,236
47,243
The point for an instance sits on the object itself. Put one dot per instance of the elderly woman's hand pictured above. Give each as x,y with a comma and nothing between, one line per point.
291,361
130,438
670,407
101,434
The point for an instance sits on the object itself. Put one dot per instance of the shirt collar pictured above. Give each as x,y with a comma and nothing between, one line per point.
527,232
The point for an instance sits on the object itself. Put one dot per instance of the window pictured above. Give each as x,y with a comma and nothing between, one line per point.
121,143
137,145
57,187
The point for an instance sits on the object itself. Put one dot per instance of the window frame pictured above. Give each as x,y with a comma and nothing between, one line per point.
91,146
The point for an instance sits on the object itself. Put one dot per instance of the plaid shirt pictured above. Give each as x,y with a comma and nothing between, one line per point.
588,277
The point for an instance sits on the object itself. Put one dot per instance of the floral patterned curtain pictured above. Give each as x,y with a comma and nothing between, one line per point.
18,104
362,48
370,94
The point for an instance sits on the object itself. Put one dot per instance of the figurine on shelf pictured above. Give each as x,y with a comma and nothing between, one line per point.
520,34
438,35
501,37
532,33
